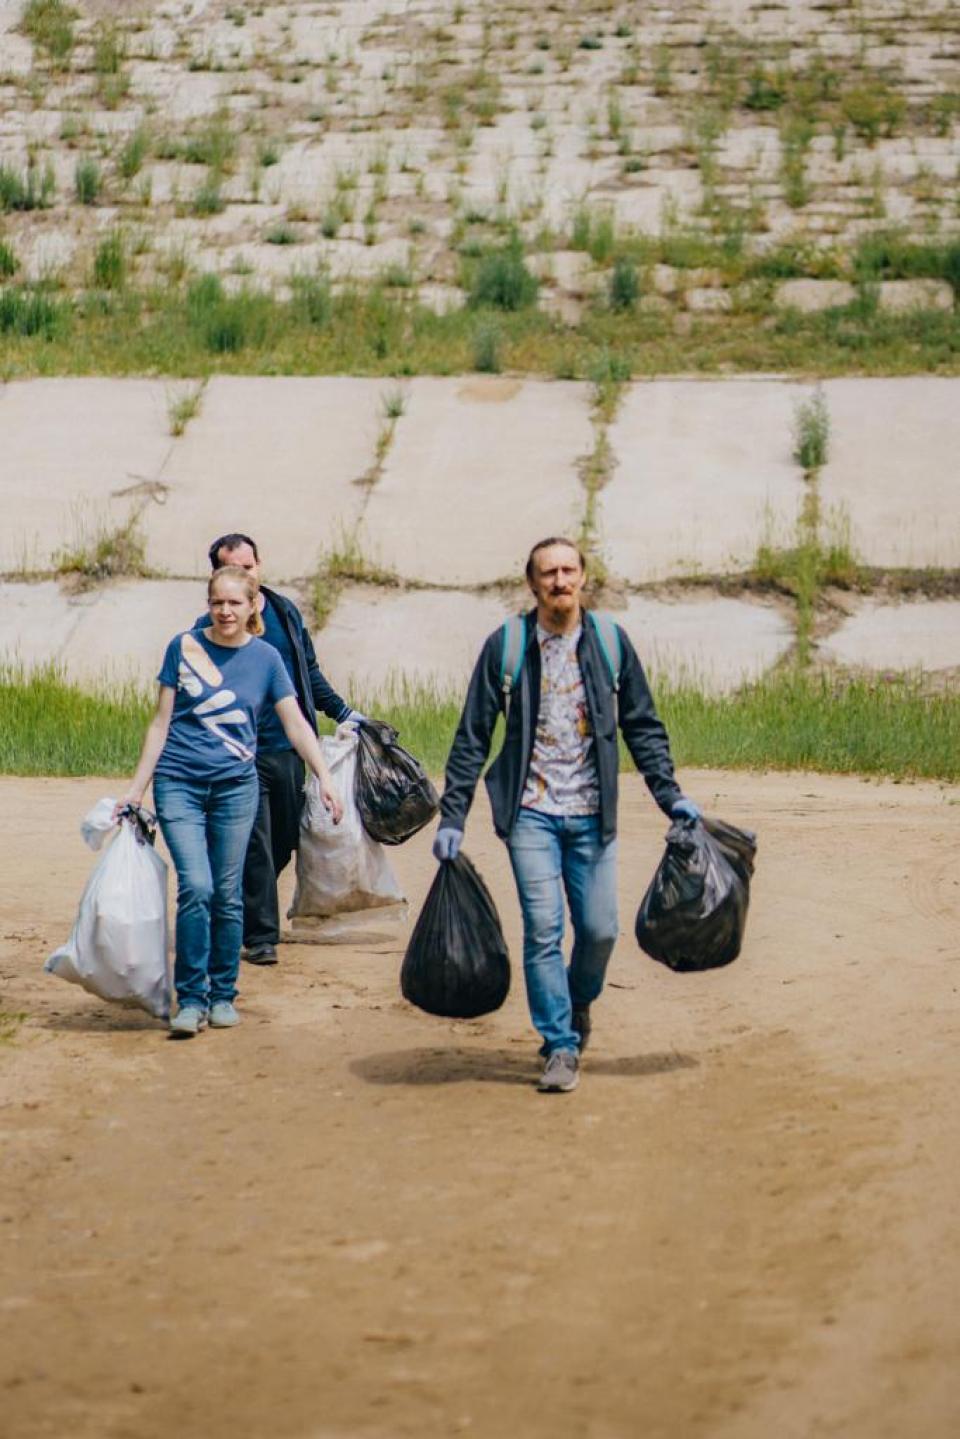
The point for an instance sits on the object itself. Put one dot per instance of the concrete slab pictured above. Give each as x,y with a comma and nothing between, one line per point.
900,296
811,295
893,467
122,631
708,300
36,622
111,635
275,458
715,642
46,253
915,634
16,51
180,94
752,147
656,195
441,299
703,470
377,638
569,178
72,455
480,469
355,260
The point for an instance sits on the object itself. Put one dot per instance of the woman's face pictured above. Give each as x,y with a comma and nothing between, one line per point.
229,608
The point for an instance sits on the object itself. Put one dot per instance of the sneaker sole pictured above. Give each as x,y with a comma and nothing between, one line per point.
230,1024
566,1088
186,1033
261,959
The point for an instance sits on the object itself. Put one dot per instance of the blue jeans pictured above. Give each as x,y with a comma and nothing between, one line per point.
206,826
552,854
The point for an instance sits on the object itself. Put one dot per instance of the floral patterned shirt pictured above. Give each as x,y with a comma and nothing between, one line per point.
562,778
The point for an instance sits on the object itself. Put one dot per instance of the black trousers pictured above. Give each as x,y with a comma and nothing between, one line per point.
275,836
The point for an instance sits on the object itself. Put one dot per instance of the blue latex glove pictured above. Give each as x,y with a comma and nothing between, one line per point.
355,717
685,809
447,843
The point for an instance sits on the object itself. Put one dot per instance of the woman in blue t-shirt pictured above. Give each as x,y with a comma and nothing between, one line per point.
199,751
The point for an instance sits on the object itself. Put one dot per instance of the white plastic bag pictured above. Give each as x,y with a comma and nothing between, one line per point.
340,869
118,948
98,822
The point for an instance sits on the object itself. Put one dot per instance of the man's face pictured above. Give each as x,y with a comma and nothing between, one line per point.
558,580
244,557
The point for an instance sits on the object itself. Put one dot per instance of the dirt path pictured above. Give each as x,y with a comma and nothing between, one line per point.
349,1219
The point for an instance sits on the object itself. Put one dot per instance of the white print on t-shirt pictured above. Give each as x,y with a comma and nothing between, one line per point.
213,721
212,712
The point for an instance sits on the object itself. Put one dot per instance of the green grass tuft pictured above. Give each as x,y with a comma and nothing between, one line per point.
133,153
32,189
103,553
32,315
501,280
624,285
87,181
10,1022
812,431
487,341
9,263
110,262
49,24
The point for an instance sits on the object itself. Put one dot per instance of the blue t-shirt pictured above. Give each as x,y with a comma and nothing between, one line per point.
271,734
220,692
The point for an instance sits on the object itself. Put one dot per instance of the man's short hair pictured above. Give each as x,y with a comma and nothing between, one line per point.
228,543
545,545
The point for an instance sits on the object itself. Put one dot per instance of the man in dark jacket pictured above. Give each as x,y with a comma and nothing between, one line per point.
280,769
553,790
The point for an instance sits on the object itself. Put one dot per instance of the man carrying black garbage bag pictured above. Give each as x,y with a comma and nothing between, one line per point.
280,769
565,679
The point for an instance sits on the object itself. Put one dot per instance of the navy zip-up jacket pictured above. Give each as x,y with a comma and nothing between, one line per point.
631,708
314,690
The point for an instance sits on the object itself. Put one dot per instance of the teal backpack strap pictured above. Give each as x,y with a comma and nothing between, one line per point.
608,637
511,660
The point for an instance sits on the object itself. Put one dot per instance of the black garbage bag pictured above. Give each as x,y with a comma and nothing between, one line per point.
394,794
457,963
693,915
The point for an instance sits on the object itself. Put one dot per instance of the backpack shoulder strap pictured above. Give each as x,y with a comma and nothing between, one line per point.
514,632
608,637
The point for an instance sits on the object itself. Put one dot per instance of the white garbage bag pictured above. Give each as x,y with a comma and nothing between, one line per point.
340,869
98,823
118,948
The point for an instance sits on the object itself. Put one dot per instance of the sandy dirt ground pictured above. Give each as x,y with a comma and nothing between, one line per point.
348,1220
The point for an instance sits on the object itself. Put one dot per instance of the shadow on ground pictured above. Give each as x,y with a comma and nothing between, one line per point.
498,1066
98,1021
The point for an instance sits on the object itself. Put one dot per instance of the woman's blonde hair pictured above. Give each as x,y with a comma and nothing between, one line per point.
251,588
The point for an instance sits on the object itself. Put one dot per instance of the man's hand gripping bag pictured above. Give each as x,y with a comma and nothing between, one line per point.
456,964
394,794
694,913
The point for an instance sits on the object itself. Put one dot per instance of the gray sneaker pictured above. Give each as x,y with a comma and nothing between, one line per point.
188,1021
561,1073
223,1015
583,1024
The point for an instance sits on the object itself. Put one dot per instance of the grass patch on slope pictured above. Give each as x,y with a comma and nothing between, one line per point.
197,328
